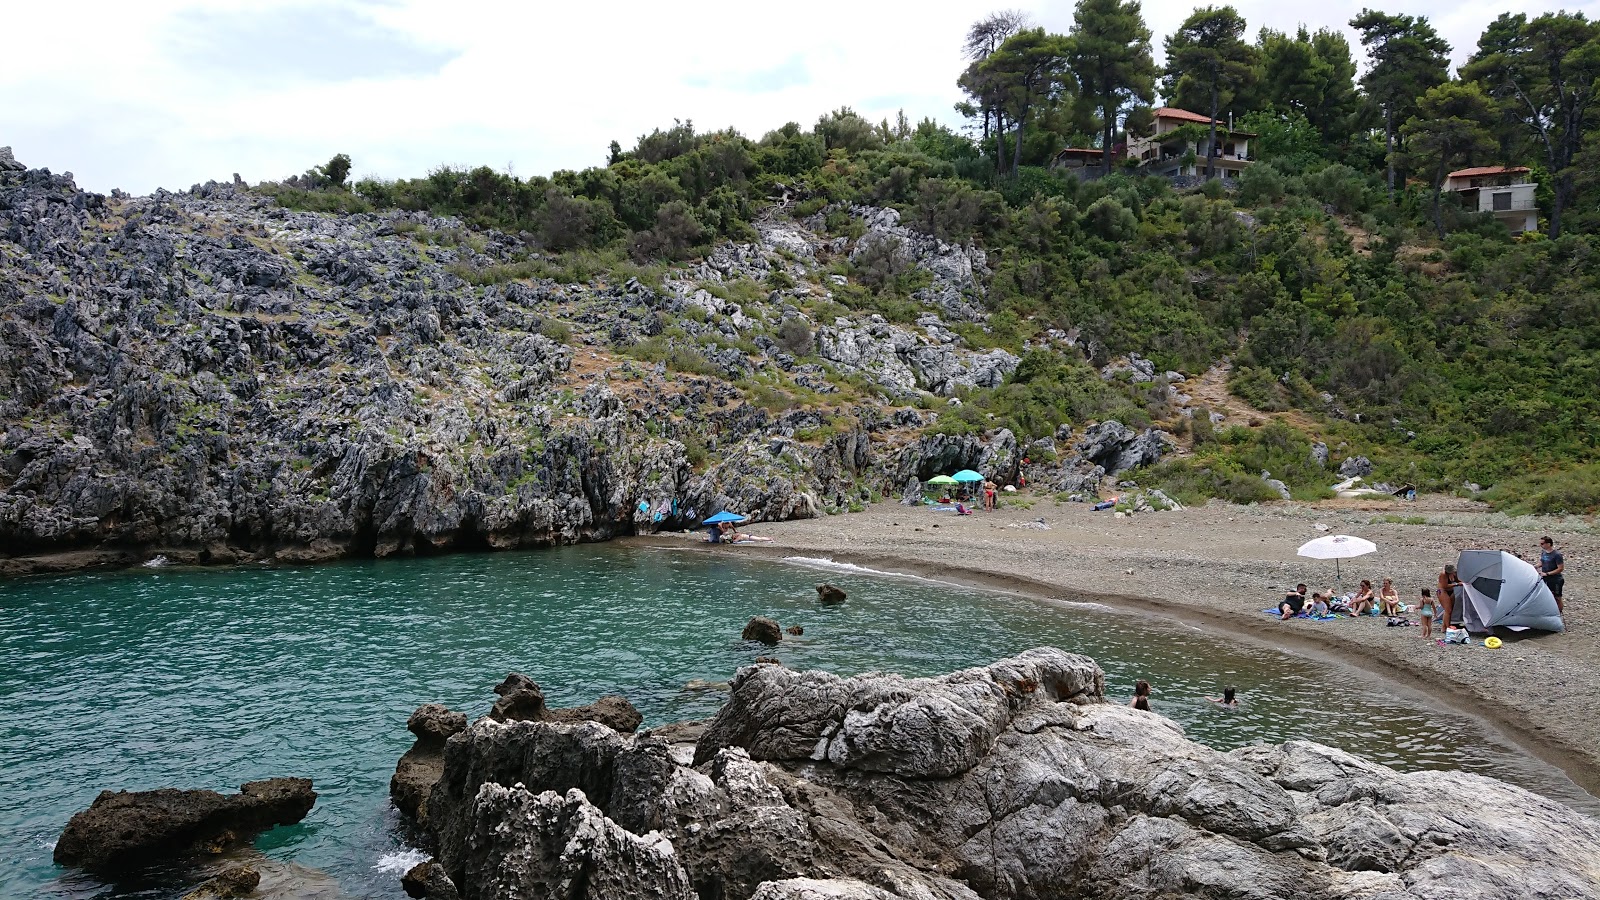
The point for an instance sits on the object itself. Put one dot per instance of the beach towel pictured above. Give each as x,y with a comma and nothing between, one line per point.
1276,615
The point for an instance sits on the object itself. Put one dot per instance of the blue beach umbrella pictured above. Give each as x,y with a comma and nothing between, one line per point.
721,517
967,475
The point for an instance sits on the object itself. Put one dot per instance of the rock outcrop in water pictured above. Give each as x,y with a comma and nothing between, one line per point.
208,374
1011,781
521,700
127,829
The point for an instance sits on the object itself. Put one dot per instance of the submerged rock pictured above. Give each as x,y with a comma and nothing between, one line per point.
763,629
127,829
827,593
1012,781
239,881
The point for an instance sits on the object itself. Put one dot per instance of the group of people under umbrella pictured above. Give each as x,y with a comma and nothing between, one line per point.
967,484
1481,591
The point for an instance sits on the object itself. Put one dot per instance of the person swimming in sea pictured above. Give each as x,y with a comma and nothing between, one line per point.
1228,699
1141,695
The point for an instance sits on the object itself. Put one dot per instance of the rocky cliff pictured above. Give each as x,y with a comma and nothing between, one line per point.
1012,781
208,374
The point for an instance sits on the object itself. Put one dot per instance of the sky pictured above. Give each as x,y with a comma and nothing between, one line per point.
170,93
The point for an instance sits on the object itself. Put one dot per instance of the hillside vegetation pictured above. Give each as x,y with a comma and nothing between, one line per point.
1465,360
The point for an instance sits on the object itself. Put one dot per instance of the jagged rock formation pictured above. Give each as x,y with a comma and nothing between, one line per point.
208,374
126,829
419,769
1015,781
521,700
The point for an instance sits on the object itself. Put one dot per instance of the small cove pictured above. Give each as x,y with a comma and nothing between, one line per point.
209,678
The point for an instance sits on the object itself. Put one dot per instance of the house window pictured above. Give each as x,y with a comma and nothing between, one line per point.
1502,201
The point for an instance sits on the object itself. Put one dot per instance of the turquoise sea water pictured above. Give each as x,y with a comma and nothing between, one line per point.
210,678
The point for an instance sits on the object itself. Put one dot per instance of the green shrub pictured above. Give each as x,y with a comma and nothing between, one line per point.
1574,491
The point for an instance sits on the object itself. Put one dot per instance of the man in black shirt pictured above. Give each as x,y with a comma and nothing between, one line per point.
1293,602
1551,565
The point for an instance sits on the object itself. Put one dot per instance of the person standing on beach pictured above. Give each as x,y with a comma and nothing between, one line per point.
1551,566
1449,584
1425,610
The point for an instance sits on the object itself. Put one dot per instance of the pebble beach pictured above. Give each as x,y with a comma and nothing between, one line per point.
1218,566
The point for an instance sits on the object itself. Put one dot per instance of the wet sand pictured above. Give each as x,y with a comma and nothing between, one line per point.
1218,566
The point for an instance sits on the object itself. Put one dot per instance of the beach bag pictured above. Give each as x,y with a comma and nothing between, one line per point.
1456,636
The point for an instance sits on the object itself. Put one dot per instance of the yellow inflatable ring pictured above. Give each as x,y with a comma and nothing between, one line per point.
1491,642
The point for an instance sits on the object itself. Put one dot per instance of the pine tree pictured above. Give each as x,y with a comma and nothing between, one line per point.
1546,73
1408,58
1452,127
1111,59
1209,51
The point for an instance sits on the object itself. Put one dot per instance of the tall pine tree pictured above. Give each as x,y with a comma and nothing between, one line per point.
1111,59
1408,58
1208,51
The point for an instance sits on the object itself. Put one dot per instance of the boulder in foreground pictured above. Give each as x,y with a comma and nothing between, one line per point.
127,829
1012,781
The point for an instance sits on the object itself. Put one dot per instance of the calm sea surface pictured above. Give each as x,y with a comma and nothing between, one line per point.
211,678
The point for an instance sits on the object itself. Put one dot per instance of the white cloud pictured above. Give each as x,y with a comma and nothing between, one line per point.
172,92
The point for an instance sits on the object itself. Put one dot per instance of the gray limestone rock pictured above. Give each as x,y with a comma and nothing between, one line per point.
1117,448
1013,781
419,769
1355,466
577,854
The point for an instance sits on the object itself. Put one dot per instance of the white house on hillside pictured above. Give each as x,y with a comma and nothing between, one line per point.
1162,153
1504,191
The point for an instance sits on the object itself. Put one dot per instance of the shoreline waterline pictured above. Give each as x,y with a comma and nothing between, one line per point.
1508,722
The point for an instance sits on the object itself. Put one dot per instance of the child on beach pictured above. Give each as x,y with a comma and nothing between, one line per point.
1319,606
1425,610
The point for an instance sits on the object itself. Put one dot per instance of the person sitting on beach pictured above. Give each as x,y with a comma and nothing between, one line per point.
730,535
1319,606
1363,602
1389,599
1141,694
1293,602
1227,699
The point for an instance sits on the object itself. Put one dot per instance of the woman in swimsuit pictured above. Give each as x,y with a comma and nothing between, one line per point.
1363,602
1389,599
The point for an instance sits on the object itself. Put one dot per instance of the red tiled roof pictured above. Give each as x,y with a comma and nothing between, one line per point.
1489,170
1172,112
1095,150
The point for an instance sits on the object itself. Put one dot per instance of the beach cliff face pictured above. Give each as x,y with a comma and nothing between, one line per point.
208,375
1014,780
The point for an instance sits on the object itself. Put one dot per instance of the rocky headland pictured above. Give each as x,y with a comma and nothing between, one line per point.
1013,780
208,375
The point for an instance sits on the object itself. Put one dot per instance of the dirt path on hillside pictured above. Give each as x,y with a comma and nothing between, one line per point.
1210,390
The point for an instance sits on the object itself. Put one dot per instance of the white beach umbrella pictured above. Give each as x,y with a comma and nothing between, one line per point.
1337,547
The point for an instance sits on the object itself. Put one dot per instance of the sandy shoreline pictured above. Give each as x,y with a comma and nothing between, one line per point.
1219,565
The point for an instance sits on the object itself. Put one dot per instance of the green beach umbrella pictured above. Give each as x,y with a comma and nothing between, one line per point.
942,479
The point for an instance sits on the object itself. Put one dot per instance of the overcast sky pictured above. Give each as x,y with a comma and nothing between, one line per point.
168,93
